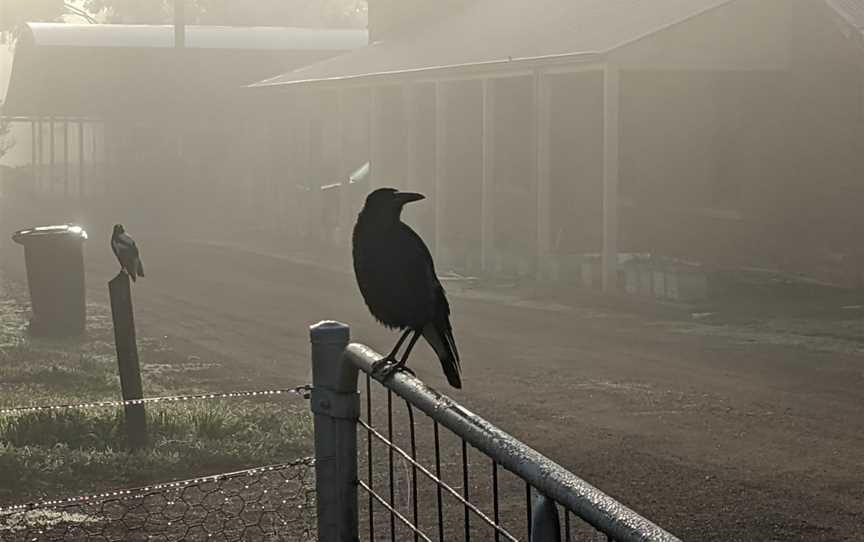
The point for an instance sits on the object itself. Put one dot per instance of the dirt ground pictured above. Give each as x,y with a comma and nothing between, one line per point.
718,432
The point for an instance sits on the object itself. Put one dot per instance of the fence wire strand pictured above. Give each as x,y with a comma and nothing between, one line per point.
394,513
299,390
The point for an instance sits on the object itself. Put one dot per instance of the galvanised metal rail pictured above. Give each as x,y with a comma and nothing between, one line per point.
336,404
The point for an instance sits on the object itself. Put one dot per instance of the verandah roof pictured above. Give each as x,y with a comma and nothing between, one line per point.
495,32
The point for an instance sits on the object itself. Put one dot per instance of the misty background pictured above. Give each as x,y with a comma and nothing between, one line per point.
647,216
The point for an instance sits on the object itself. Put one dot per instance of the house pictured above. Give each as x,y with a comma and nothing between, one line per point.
113,119
722,131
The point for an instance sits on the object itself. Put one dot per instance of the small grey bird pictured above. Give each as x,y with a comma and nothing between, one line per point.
126,250
396,277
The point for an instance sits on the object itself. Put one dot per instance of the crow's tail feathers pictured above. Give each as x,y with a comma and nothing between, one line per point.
439,335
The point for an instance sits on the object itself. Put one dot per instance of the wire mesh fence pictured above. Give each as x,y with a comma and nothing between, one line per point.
268,503
275,502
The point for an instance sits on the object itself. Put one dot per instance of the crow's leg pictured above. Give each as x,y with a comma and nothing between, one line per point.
400,365
391,357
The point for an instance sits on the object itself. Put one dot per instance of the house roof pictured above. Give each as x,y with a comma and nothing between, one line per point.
197,37
849,15
852,11
498,31
97,70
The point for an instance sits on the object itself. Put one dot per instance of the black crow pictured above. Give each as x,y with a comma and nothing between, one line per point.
126,250
396,276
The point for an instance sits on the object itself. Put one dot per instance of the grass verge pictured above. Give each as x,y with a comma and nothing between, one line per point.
52,454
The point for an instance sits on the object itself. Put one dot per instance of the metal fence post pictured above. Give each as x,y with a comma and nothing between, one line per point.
336,408
545,523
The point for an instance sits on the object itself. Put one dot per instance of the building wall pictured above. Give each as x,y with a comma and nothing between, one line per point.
20,153
749,167
695,148
421,170
577,163
6,57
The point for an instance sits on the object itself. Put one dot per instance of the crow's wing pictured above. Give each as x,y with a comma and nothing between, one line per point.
126,250
438,331
129,243
395,276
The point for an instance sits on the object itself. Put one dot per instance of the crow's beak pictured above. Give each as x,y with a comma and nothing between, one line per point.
408,197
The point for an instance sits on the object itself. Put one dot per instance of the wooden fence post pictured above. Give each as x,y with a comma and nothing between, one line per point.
127,359
336,406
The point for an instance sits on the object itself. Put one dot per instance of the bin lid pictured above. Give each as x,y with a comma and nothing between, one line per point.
71,230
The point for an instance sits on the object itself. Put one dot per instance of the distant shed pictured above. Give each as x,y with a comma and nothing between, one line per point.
117,108
79,70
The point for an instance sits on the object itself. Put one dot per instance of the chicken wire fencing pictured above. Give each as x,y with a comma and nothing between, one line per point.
275,502
426,468
268,503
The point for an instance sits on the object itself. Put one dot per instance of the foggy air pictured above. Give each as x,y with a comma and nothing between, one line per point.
452,270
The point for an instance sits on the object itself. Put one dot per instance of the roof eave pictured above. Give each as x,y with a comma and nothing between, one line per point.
850,27
496,68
